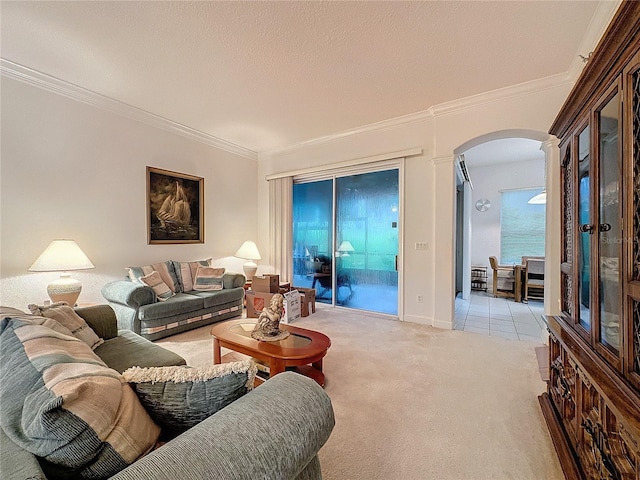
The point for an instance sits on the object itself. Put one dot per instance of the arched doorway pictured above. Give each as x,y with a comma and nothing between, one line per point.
523,158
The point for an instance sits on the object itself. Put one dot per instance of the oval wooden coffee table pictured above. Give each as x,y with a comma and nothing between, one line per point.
303,349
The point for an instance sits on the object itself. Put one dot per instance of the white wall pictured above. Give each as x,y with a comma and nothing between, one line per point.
56,150
70,170
487,183
429,187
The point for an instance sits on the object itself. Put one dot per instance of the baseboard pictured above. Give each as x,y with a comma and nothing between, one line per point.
418,319
443,324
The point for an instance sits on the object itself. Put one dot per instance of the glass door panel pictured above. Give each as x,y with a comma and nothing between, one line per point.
313,237
610,229
585,229
367,241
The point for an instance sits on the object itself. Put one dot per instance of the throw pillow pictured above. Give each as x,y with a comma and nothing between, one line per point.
186,272
62,313
177,398
63,404
208,279
163,292
164,269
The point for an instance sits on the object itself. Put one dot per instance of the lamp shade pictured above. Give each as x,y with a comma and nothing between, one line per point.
248,251
61,256
539,199
346,247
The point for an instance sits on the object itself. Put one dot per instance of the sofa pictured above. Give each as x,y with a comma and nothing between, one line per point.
272,432
142,310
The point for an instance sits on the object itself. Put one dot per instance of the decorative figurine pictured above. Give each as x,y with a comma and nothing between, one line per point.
267,328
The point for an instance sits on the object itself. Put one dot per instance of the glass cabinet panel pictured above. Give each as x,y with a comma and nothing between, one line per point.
610,228
585,229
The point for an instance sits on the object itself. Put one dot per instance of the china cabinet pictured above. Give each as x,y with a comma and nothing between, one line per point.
592,404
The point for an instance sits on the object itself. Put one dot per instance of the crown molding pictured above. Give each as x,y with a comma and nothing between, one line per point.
371,127
505,93
60,87
512,91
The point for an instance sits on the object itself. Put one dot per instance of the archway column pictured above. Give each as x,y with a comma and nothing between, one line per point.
552,226
443,252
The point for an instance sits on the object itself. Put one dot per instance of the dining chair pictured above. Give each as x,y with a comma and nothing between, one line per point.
534,279
503,279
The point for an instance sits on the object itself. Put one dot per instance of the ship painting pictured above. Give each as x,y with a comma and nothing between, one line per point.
175,207
175,212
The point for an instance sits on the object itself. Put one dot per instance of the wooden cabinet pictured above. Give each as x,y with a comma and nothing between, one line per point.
592,405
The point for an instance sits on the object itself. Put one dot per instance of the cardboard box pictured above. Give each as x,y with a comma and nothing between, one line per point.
291,307
307,301
257,301
266,283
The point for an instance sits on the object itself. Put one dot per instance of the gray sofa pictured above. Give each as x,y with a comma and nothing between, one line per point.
138,309
273,432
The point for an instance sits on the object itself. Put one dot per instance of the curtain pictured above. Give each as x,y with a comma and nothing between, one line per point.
281,226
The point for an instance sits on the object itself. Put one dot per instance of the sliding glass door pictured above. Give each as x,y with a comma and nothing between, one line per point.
345,236
313,237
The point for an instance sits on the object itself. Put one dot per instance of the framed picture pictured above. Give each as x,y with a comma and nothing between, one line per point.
175,207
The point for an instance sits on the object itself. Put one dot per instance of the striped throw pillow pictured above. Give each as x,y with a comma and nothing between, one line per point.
62,313
186,272
208,279
163,292
164,269
63,404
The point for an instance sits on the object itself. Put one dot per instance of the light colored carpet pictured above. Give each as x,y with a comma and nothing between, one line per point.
413,402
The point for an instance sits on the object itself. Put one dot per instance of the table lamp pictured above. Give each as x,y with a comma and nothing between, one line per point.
345,249
62,256
249,251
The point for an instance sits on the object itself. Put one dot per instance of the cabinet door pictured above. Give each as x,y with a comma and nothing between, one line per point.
585,227
608,228
568,237
632,172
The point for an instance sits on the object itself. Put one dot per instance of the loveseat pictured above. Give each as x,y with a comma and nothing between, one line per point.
272,432
140,309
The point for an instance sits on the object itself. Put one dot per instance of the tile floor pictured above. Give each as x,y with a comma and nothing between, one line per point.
500,317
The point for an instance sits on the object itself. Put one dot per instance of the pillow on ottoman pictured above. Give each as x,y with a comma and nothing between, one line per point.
177,398
62,313
63,404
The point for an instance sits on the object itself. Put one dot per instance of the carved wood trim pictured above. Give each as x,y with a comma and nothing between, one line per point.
565,452
619,395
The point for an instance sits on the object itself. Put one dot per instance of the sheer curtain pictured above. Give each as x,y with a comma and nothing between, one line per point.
281,226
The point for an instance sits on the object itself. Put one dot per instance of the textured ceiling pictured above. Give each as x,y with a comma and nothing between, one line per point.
265,75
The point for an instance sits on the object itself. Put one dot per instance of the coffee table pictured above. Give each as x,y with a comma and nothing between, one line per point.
303,349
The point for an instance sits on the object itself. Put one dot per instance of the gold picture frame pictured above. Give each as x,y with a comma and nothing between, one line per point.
175,207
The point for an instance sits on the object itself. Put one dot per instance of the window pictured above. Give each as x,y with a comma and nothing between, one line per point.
522,226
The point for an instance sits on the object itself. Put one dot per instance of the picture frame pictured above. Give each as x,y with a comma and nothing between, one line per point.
175,207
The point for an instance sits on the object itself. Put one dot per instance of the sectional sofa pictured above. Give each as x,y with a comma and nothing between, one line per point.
272,432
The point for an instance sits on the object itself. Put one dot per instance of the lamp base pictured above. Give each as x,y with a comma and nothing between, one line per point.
250,268
64,289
